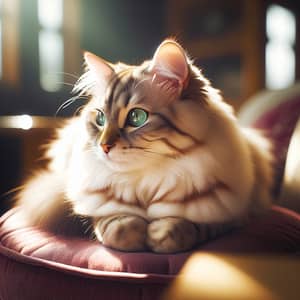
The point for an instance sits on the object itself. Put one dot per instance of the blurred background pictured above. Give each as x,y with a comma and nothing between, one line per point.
242,47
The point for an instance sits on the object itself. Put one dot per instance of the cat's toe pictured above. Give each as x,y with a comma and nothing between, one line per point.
170,235
122,232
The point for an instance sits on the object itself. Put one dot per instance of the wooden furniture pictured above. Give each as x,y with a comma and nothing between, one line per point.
22,140
33,132
228,40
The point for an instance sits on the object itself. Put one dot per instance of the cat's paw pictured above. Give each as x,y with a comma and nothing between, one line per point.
171,234
122,232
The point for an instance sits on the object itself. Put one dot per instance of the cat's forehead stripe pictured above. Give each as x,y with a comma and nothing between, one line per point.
118,85
111,89
123,93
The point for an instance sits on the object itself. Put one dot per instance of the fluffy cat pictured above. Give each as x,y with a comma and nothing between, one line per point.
156,159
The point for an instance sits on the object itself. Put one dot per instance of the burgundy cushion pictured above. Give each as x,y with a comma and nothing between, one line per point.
278,123
33,261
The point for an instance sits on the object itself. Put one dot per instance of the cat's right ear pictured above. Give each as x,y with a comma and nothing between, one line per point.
170,67
101,69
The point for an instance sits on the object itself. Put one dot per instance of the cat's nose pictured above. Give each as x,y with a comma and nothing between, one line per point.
106,147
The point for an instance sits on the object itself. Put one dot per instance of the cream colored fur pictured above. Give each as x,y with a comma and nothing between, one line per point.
227,155
222,173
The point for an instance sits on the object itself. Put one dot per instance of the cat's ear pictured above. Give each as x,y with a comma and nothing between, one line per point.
101,69
170,66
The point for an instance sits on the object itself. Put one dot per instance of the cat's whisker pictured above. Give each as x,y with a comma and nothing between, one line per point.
153,78
14,190
65,83
84,84
68,74
67,103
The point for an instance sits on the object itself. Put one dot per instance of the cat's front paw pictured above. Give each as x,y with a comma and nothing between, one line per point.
171,234
122,232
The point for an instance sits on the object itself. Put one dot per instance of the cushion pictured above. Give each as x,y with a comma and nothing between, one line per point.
290,192
276,113
36,263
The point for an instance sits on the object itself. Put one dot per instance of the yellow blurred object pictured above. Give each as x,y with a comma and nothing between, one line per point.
290,191
33,133
215,276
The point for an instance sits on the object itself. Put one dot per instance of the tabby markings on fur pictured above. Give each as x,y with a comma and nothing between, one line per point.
156,160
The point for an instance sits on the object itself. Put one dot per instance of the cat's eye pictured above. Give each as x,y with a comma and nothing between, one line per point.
100,118
137,117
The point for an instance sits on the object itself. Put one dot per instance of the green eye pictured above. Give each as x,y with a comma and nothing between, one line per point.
137,117
100,118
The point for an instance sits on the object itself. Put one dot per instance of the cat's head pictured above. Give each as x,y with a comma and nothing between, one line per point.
147,114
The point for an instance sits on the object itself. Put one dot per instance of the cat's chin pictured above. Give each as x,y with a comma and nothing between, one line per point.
126,161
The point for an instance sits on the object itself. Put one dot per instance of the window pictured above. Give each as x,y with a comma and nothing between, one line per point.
56,30
1,39
9,41
280,53
51,47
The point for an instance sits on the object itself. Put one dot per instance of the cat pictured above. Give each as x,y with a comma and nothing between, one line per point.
155,160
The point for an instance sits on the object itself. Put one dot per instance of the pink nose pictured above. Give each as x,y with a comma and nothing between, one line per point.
106,147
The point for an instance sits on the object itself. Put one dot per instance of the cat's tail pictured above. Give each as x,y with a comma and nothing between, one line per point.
261,155
41,203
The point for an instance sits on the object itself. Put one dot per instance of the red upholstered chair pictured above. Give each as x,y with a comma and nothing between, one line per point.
35,264
276,113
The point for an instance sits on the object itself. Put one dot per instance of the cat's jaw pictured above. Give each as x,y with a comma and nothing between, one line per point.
129,160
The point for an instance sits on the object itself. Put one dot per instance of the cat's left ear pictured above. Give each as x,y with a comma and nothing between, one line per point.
101,69
169,66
